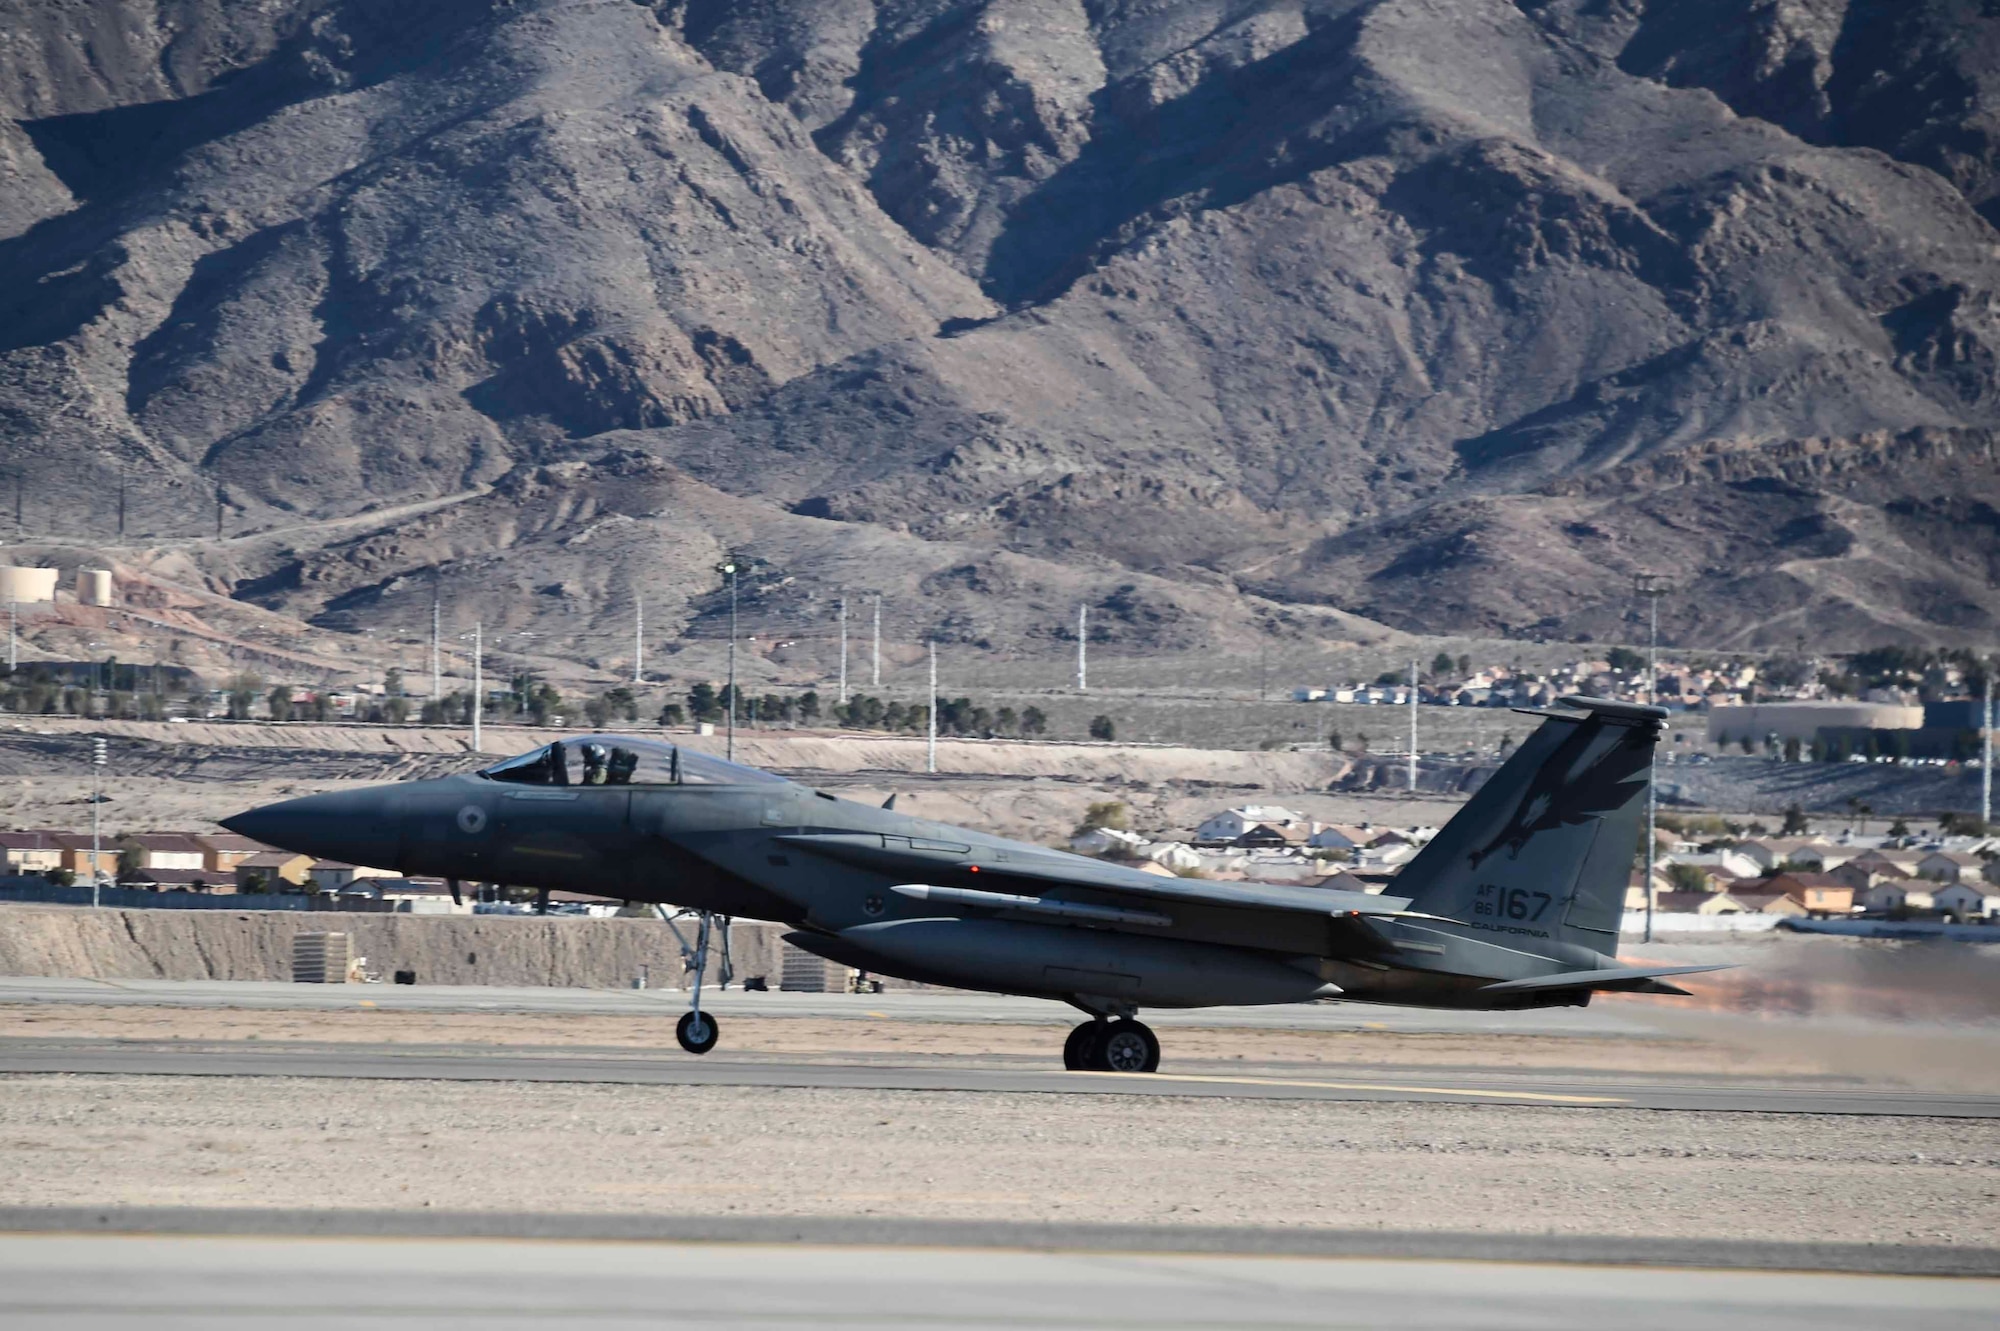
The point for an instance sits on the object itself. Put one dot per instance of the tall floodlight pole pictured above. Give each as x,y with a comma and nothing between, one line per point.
1413,727
1651,586
1083,649
478,682
843,649
875,673
96,801
729,743
930,743
437,654
638,639
1986,757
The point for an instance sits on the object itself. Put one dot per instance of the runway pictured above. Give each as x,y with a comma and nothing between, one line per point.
901,1005
406,1062
114,1283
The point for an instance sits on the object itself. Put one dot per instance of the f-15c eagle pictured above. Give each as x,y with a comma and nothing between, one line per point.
1514,904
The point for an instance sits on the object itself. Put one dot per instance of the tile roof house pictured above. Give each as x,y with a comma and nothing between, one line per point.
1971,899
1951,866
1818,894
273,867
31,852
225,850
164,850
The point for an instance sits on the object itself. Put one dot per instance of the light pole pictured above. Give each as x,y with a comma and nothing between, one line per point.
1986,756
1651,586
729,743
638,640
478,636
843,649
1082,649
930,744
1413,727
875,675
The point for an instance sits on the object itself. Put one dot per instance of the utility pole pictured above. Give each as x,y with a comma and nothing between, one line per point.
13,635
843,649
1082,646
638,639
1652,586
729,743
97,756
875,675
1413,727
930,744
121,502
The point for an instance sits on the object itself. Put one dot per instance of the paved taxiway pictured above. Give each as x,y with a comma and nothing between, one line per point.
404,1062
112,1283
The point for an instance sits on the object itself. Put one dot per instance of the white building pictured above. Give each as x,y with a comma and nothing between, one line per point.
1226,826
1174,855
1106,841
1894,894
1970,899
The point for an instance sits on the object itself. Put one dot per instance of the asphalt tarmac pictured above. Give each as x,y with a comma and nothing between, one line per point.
901,1005
408,1062
99,1283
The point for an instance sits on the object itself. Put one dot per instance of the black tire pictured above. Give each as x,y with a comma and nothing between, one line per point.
1079,1047
697,1041
1127,1046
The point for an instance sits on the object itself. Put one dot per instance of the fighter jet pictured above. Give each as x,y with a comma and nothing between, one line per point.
1514,904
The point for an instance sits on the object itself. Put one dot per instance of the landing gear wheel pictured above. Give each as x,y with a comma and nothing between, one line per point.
1079,1048
1127,1046
697,1032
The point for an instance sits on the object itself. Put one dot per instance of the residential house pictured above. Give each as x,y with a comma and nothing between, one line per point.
77,855
276,870
177,880
1967,899
1767,903
1951,866
223,851
163,850
1699,903
1895,896
31,852
1820,895
1726,864
1176,856
1106,841
1903,862
1823,858
1221,828
1334,836
1274,836
1775,852
1635,892
335,876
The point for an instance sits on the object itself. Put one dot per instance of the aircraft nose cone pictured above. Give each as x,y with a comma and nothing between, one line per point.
361,827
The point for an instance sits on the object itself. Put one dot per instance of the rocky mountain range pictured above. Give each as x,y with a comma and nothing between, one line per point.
1233,318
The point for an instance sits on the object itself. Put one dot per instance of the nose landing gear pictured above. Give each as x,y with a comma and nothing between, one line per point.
1124,1045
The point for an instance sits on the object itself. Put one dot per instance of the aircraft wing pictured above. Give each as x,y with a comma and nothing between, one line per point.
918,862
1633,979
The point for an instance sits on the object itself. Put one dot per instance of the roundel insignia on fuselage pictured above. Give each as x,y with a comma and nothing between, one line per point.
472,819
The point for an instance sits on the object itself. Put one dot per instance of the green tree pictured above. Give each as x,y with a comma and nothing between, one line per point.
242,696
673,715
280,703
1034,721
1441,665
597,711
1464,667
1899,828
1795,822
1626,660
1333,741
397,710
704,703
809,706
1686,878
1102,727
1006,721
252,884
1107,813
392,683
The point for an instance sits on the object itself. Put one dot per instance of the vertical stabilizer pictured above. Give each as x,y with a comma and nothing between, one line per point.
1543,852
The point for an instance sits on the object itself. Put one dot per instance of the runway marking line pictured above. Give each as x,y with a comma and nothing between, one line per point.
1551,1097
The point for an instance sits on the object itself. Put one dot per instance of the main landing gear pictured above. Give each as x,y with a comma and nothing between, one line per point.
1124,1045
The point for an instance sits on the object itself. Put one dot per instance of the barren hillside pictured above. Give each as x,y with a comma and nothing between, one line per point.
1235,318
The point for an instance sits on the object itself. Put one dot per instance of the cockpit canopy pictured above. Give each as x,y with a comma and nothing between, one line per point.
623,760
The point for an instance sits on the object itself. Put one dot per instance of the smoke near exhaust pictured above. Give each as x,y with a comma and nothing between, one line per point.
1926,1015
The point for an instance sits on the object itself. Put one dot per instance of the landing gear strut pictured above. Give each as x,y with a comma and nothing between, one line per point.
696,1030
1124,1045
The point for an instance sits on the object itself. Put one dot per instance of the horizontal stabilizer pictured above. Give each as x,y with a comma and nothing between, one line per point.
1616,977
